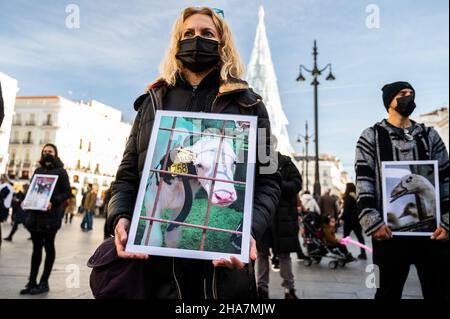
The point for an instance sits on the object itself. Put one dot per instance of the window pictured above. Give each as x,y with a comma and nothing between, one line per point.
78,165
49,119
25,174
81,144
90,148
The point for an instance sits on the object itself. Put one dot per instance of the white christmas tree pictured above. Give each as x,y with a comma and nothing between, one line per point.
262,78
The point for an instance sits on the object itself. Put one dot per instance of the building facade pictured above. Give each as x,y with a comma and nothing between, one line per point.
9,91
439,120
331,173
90,137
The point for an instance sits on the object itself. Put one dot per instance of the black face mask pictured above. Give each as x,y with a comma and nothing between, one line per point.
405,105
198,54
48,158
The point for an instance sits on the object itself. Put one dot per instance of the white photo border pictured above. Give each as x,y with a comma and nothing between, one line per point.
436,194
33,182
244,256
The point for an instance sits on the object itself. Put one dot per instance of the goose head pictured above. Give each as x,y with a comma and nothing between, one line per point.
410,184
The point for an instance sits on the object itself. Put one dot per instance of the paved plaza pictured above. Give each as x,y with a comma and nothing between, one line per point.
74,247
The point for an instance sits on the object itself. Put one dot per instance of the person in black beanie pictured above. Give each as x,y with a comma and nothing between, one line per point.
398,138
391,90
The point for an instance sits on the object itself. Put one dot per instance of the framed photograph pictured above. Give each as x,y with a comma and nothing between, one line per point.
195,196
40,192
411,202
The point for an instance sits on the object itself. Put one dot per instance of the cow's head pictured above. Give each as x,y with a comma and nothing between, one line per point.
203,156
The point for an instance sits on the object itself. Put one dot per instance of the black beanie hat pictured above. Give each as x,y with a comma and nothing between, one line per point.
392,89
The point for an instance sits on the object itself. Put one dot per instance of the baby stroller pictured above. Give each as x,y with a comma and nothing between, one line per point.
316,249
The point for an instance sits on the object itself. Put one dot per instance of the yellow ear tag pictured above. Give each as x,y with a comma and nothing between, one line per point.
179,168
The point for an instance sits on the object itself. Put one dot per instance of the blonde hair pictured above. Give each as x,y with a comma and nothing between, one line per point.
230,63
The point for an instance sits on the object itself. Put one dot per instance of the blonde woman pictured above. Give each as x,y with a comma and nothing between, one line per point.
200,73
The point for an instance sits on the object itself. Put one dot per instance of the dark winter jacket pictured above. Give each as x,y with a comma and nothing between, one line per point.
350,210
328,206
18,214
50,221
182,277
283,236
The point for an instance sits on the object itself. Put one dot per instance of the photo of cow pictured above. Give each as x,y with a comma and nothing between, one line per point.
195,197
40,192
411,197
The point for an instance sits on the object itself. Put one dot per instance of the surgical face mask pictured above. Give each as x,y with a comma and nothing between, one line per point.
405,105
198,54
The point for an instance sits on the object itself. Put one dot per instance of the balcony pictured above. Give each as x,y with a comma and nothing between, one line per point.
14,142
17,123
28,142
30,123
49,124
46,141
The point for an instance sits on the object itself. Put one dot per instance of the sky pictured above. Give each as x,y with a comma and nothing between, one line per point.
119,45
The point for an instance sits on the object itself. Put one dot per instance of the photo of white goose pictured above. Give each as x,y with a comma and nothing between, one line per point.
410,200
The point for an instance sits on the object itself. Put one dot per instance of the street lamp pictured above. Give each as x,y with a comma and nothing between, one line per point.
307,139
316,72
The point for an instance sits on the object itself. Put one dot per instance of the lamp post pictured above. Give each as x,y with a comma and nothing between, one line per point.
316,72
307,139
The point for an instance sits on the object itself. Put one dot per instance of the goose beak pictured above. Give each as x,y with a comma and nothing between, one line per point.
398,192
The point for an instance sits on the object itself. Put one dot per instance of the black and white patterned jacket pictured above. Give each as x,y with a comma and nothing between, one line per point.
383,143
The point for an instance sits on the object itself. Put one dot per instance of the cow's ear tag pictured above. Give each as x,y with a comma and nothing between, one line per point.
178,167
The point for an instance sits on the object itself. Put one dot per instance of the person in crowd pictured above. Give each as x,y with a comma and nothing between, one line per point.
309,204
89,206
283,234
398,138
300,254
43,226
6,196
328,205
349,217
200,73
70,210
18,213
329,238
83,198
